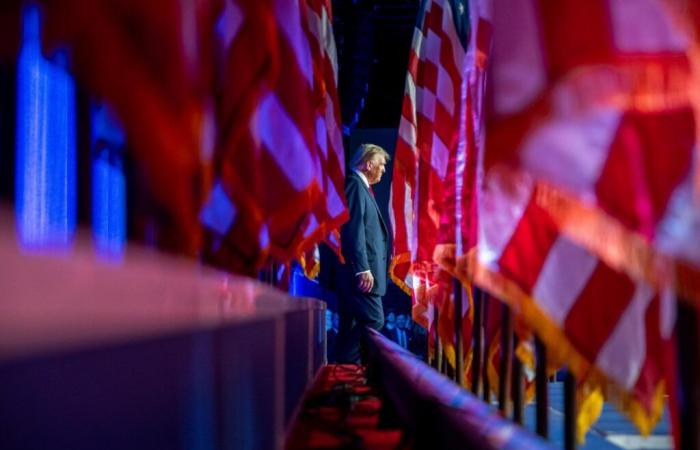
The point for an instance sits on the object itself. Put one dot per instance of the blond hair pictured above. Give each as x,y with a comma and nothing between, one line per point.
367,152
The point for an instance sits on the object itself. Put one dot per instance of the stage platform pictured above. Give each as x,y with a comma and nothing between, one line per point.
147,352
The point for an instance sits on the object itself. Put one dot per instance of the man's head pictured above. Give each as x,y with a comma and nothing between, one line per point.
401,321
371,160
390,322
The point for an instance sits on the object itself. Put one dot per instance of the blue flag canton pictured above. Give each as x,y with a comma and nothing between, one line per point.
460,15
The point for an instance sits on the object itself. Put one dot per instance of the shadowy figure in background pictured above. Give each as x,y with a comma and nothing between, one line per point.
403,333
389,329
331,334
419,343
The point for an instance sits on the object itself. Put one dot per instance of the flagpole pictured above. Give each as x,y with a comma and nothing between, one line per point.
437,356
688,375
477,355
485,382
459,343
541,389
506,360
569,411
517,384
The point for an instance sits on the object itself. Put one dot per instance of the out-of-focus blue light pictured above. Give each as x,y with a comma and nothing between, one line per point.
108,185
46,144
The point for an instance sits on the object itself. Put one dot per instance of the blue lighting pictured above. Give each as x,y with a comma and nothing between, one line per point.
46,144
108,185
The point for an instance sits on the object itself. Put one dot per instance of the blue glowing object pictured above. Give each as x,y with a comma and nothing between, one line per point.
108,185
46,144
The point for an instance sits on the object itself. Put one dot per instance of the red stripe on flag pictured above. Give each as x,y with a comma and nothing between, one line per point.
638,179
567,25
592,319
652,371
527,250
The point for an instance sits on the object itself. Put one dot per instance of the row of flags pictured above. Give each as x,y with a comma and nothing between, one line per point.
547,154
231,112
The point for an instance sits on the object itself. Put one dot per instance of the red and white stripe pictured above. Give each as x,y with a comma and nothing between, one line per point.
429,135
269,167
611,126
319,26
619,326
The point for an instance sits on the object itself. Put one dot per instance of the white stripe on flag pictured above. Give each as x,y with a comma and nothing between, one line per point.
517,74
334,203
334,132
645,26
322,136
439,157
425,103
503,202
289,20
229,23
574,141
445,90
219,212
311,226
563,277
410,221
407,131
431,48
329,43
624,352
285,143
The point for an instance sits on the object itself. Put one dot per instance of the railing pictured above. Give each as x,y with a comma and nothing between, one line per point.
436,412
510,389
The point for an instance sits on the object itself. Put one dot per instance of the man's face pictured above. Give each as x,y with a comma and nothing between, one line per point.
375,169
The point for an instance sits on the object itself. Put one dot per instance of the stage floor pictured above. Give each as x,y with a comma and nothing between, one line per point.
612,431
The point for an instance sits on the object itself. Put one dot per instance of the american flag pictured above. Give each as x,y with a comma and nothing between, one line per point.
269,197
612,331
429,134
608,130
333,212
583,237
437,156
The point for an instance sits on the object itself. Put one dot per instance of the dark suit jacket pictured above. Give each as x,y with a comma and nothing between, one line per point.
364,236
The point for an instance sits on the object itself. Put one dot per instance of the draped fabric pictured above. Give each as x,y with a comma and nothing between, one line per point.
279,170
431,132
231,112
609,131
333,210
610,330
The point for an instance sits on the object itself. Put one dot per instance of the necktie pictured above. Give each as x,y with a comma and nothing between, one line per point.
371,191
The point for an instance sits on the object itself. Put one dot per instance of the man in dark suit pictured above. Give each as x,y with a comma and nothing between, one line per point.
365,249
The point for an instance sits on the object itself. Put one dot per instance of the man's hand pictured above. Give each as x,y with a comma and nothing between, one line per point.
365,281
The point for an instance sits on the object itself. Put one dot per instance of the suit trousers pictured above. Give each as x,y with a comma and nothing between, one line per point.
357,310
